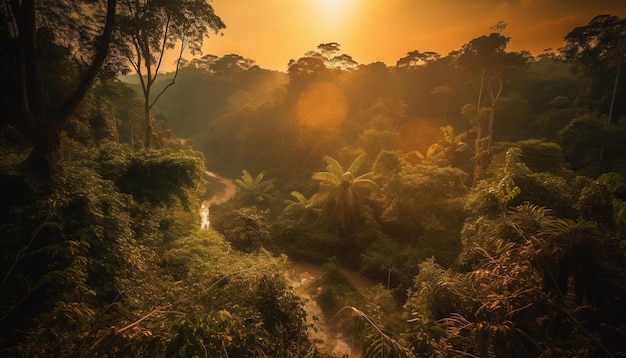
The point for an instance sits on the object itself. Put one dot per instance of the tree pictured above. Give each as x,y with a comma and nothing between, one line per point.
87,37
302,206
255,190
487,55
149,29
601,47
328,53
416,58
447,148
340,188
305,71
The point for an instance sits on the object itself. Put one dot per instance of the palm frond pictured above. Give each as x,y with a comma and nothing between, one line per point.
299,196
242,183
356,163
246,177
333,166
327,177
365,183
259,178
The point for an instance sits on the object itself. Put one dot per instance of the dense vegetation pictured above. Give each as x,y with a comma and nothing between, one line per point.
482,192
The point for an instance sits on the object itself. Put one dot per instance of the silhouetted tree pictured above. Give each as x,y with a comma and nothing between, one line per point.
417,58
328,53
305,71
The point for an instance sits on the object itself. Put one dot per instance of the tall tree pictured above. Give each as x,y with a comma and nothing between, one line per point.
86,37
601,47
149,29
487,55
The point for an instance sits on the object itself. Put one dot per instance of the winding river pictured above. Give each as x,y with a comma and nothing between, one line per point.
219,198
300,276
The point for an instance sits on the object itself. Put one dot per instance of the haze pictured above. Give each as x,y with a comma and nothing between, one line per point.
274,31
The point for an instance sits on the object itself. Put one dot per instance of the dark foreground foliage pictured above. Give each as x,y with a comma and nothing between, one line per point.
107,259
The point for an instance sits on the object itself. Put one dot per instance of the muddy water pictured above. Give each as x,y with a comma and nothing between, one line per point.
301,275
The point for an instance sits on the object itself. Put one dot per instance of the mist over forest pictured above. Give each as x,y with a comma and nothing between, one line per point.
469,204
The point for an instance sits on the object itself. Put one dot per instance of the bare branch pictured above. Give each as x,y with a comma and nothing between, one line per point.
173,82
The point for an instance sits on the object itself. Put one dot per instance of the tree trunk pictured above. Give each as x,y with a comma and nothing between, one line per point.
492,115
35,104
609,120
478,170
148,114
36,108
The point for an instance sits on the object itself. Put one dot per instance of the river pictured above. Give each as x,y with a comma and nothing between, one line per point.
219,198
300,276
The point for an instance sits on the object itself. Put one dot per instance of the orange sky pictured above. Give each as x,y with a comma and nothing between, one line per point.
271,32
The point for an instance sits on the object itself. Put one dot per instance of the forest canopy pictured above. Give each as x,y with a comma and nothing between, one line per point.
479,195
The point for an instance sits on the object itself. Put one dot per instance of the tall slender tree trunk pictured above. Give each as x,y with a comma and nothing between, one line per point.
609,120
492,116
478,165
148,113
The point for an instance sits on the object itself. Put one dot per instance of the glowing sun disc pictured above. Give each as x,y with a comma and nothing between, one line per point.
332,7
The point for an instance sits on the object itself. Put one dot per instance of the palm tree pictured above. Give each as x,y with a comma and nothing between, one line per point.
255,189
449,146
302,206
340,187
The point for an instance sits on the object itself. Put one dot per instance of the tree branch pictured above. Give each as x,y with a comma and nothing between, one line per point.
102,51
163,47
173,82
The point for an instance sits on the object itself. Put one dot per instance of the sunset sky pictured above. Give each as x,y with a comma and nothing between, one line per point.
271,32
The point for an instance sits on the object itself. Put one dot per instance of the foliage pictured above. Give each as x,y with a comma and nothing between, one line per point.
160,177
68,266
581,139
513,301
376,342
79,47
247,229
423,205
340,189
538,155
514,184
265,320
599,46
112,276
374,141
528,262
255,190
448,148
303,207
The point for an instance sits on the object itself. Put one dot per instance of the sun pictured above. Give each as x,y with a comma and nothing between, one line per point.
332,8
